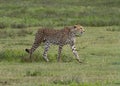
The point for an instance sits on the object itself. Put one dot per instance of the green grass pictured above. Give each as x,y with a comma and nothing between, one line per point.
98,48
60,74
27,13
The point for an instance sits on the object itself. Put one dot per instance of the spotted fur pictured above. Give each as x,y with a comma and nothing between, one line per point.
58,37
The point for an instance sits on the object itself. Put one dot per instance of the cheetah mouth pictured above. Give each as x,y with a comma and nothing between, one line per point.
81,33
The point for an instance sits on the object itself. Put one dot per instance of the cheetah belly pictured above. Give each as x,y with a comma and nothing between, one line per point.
58,42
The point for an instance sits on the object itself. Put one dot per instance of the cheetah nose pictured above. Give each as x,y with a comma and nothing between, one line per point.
83,30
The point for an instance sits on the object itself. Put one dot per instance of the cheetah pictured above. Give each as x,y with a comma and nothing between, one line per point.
58,37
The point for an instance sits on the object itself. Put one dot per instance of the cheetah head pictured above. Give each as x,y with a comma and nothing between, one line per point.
78,29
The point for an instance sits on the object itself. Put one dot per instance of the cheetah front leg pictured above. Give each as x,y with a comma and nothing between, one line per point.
47,45
75,52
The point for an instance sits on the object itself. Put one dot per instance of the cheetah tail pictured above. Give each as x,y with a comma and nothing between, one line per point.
27,50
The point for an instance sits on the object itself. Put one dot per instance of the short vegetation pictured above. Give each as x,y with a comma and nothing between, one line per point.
27,13
98,47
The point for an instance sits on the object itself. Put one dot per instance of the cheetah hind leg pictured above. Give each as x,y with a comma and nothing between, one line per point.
59,53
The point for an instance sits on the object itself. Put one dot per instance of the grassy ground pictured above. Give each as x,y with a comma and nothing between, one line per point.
26,13
60,74
98,47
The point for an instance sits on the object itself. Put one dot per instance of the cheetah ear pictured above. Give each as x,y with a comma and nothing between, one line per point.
75,26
